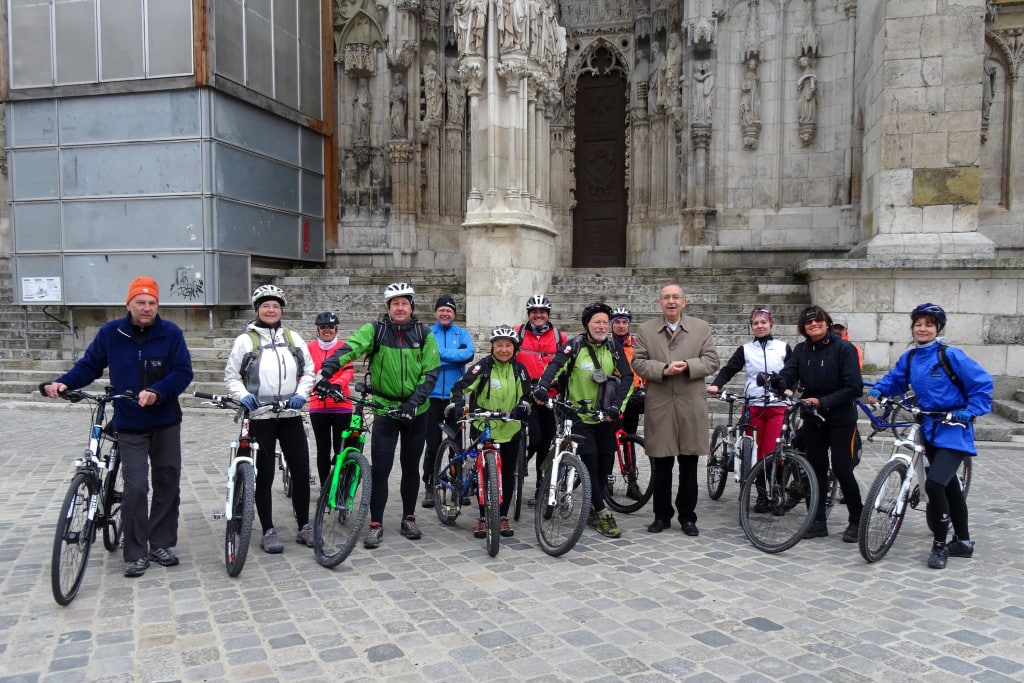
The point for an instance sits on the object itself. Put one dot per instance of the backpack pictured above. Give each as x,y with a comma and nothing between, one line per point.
607,388
378,335
251,359
947,367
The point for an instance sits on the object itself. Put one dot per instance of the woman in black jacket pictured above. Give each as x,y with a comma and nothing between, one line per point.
828,370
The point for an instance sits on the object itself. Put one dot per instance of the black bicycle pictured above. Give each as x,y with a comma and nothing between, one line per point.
93,499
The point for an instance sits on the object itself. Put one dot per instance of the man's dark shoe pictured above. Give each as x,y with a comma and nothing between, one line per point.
761,506
428,498
851,534
939,556
163,557
690,529
958,548
816,530
136,568
659,525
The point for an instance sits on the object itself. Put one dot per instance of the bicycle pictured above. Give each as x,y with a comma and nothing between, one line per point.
786,483
564,494
732,448
282,464
521,467
93,500
889,496
343,507
482,479
633,474
240,498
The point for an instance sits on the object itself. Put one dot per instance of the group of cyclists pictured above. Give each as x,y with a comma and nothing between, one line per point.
419,377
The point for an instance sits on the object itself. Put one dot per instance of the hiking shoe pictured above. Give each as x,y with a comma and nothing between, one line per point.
633,491
373,535
271,543
762,503
851,534
136,568
305,535
409,528
960,548
939,556
816,530
481,528
592,518
506,527
606,526
428,498
163,557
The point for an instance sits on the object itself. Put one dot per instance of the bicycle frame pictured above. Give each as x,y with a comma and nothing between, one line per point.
355,434
565,441
482,444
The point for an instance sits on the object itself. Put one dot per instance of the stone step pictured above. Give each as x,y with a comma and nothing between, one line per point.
1011,409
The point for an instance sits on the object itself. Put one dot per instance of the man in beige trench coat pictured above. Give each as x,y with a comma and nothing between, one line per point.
674,353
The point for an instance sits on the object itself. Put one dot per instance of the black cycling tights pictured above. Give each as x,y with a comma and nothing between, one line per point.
945,497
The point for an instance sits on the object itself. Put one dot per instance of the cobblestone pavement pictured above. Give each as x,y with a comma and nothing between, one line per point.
641,608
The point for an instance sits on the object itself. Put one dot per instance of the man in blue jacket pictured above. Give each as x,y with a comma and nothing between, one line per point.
456,348
146,355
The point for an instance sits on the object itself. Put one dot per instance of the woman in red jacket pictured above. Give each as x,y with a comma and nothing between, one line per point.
328,417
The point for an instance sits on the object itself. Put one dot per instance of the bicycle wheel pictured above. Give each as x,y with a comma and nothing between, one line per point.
791,489
113,495
72,540
517,495
339,523
447,482
965,475
718,462
630,487
746,457
491,502
286,473
238,529
880,522
831,488
561,515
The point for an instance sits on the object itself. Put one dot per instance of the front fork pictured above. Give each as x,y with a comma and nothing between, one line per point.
481,476
336,476
232,468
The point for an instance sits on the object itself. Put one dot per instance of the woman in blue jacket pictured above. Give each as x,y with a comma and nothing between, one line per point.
946,380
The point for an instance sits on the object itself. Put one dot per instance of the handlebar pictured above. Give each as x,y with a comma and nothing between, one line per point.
223,401
480,414
76,395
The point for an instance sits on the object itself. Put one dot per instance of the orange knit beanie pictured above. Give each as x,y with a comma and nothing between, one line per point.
142,285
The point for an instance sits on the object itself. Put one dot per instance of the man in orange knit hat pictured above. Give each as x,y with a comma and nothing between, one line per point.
146,355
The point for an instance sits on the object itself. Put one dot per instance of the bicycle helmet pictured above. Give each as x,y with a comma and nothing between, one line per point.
326,318
932,311
505,332
592,309
621,312
264,292
398,289
538,301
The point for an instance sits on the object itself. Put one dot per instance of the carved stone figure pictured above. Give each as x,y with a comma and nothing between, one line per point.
470,22
399,97
808,87
456,96
362,108
511,23
640,76
652,79
750,95
988,89
703,88
433,91
669,74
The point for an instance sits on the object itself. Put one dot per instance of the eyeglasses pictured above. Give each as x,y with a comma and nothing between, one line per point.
819,320
326,327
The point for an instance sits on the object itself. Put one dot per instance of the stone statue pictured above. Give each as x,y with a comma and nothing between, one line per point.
511,23
703,88
669,74
652,80
456,96
988,88
808,87
399,97
470,24
750,95
362,108
433,91
640,76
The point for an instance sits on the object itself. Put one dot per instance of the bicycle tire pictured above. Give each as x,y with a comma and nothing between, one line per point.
746,457
879,522
520,479
964,472
791,489
238,529
491,502
560,525
337,528
635,483
831,489
447,483
72,540
718,465
113,496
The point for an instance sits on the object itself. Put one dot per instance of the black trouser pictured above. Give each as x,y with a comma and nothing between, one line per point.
155,526
384,438
542,433
631,416
597,451
945,497
821,439
290,433
435,416
661,489
509,452
327,429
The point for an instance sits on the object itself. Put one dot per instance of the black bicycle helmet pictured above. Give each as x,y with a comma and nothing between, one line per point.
592,309
932,311
326,318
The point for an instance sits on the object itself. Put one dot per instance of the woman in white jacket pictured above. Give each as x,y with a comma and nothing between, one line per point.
271,372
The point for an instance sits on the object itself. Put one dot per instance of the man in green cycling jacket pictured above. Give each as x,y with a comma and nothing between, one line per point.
403,363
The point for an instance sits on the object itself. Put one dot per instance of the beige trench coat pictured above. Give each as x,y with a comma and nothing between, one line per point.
675,411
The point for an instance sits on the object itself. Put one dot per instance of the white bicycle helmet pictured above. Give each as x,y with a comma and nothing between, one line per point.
538,301
505,332
398,289
267,292
622,312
